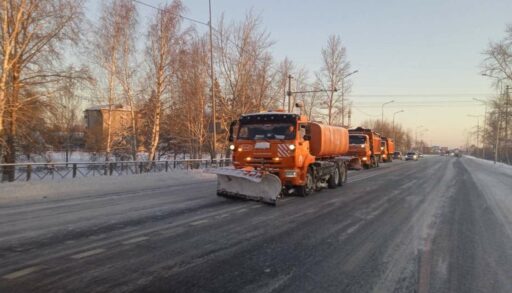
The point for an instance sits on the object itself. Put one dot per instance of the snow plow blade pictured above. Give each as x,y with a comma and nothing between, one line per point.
247,184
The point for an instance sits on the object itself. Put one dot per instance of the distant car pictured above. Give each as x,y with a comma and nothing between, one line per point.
411,156
397,156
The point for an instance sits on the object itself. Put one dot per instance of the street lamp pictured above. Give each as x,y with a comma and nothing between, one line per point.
343,95
421,138
485,124
382,119
477,126
394,134
416,134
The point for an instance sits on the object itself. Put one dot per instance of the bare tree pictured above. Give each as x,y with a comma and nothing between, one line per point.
498,65
335,67
127,68
112,49
33,34
245,75
164,40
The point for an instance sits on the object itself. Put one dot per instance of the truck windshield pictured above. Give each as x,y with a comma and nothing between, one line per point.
267,131
357,139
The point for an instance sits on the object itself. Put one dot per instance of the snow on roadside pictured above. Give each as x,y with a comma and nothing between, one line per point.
499,166
495,183
43,190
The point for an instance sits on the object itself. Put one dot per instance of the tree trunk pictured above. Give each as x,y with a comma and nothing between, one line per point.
155,133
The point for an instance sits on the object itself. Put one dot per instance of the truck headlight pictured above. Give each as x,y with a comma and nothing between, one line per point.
232,147
362,146
291,147
290,173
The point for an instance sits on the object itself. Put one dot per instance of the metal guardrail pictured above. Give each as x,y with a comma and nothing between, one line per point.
62,170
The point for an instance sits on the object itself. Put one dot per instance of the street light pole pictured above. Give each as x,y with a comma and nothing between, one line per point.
485,125
214,110
416,135
343,95
382,118
394,134
477,127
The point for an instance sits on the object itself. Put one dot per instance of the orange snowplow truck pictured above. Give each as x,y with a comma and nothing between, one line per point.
277,153
365,148
388,148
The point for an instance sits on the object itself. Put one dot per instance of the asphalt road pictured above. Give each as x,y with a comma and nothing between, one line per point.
437,225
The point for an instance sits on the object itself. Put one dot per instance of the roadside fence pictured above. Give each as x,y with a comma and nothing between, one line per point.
62,170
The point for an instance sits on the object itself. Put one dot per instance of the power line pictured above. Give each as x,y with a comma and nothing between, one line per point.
180,15
217,31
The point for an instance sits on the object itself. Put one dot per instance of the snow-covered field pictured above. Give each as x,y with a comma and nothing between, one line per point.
44,190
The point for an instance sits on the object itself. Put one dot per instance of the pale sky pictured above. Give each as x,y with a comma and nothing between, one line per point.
423,54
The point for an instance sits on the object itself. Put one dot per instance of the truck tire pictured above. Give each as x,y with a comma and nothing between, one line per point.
309,186
334,179
343,175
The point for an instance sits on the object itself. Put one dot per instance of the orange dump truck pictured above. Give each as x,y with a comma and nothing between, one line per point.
276,153
365,148
388,148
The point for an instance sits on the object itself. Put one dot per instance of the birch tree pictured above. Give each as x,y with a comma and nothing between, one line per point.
34,34
334,68
163,42
112,49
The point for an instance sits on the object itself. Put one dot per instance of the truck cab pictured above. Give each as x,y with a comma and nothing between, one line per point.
384,150
359,147
276,142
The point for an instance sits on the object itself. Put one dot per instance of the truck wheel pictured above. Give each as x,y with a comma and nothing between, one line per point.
343,175
334,179
308,187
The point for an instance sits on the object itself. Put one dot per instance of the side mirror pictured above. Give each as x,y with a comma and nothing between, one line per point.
231,126
307,137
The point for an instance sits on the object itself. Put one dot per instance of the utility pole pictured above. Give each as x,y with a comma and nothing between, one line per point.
497,137
484,132
382,119
289,92
507,101
394,134
214,110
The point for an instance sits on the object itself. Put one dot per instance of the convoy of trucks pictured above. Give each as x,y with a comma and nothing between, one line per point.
277,153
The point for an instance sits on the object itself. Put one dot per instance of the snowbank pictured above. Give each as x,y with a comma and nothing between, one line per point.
44,190
500,166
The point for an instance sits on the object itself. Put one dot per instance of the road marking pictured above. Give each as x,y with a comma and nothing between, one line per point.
256,206
199,222
22,273
135,240
241,211
88,253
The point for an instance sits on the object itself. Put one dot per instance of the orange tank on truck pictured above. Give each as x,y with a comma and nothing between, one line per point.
370,154
303,155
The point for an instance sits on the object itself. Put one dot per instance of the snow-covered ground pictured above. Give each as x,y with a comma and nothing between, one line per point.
499,166
44,190
495,182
